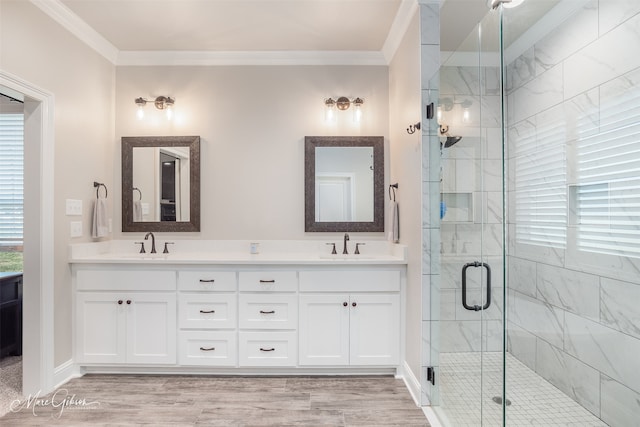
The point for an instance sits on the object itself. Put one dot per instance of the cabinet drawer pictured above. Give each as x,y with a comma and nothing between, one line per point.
207,311
272,281
268,349
215,348
350,281
207,281
126,280
268,311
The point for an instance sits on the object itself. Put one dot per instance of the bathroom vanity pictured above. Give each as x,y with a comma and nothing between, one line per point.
216,308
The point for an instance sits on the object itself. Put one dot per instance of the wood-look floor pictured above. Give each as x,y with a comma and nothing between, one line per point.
223,401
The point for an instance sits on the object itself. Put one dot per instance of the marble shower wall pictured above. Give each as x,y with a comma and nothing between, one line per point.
471,187
574,317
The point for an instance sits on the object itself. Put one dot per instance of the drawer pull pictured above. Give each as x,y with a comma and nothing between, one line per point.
120,301
207,311
267,312
267,281
207,280
267,349
207,349
344,304
128,301
353,304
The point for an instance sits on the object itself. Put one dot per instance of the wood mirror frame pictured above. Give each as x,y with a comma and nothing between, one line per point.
310,145
128,144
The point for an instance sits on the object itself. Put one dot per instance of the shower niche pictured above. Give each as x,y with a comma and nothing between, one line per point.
456,207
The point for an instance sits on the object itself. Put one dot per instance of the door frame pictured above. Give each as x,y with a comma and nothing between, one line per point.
38,331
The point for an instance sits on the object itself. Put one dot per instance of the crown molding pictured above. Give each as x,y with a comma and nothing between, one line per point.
76,26
208,58
398,28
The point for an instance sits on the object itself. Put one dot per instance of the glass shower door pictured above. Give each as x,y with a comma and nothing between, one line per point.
468,301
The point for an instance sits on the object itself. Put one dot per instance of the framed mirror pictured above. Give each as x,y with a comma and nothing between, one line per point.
344,183
161,183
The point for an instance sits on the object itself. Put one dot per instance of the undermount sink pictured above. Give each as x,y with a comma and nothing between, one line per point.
354,257
142,256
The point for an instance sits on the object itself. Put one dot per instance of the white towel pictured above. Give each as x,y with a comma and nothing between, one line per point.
394,224
137,211
100,221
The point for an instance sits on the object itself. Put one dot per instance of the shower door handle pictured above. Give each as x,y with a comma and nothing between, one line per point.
464,286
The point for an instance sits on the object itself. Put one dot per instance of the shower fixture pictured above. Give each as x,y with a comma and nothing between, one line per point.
450,140
493,4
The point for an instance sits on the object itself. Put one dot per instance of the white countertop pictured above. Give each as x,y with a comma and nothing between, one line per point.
275,252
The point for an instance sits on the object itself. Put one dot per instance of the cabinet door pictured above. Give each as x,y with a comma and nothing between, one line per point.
324,329
151,328
375,329
100,327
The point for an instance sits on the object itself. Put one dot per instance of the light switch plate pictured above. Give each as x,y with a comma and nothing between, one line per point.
76,228
74,207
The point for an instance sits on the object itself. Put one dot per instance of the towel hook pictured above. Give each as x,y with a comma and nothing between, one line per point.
98,185
138,190
393,187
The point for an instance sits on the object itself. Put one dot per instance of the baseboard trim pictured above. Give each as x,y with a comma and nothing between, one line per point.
433,419
412,383
65,372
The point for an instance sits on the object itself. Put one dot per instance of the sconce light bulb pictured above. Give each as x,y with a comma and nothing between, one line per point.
439,114
169,112
140,112
466,115
329,113
357,110
357,114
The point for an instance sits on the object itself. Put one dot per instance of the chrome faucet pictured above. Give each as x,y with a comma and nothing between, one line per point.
153,241
346,239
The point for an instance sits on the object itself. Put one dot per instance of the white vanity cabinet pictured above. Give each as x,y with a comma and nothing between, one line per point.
192,316
268,308
349,318
207,318
119,321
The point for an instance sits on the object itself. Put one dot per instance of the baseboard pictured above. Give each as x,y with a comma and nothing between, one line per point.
433,419
412,383
65,372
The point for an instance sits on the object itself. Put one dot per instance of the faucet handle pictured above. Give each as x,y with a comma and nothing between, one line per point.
357,252
333,251
142,251
166,249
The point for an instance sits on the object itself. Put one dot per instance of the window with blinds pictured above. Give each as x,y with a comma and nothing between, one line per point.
11,179
540,187
608,194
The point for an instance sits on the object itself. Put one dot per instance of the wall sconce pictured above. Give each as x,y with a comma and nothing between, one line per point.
161,103
343,103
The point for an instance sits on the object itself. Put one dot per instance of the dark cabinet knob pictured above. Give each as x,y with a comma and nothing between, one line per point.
353,304
119,301
344,304
128,301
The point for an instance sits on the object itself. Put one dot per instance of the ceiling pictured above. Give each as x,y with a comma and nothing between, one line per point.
240,25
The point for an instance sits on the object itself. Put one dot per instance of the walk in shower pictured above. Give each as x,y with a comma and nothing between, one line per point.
534,305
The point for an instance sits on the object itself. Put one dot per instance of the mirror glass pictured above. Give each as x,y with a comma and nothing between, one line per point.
344,180
161,183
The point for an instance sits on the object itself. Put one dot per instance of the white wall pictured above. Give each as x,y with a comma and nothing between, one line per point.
406,168
37,50
252,121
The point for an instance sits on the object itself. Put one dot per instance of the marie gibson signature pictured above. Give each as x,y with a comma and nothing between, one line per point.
60,400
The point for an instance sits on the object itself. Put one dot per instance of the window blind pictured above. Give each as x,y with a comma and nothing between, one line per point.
608,195
11,178
540,187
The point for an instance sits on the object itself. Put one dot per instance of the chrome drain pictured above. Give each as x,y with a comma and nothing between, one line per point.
498,400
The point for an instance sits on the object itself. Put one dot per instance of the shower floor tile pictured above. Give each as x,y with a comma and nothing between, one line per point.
534,401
